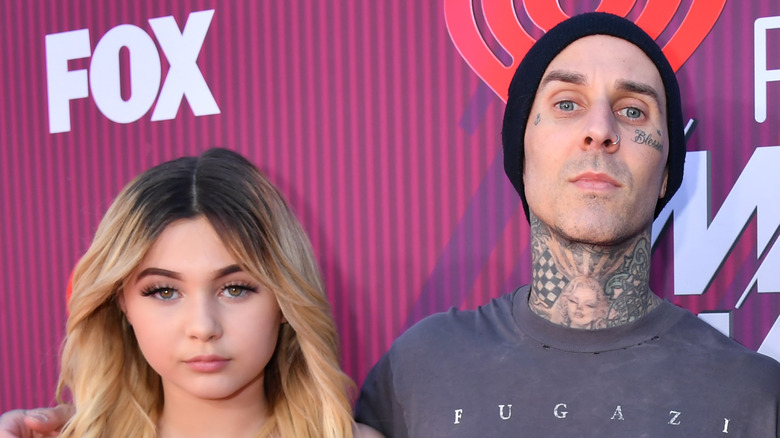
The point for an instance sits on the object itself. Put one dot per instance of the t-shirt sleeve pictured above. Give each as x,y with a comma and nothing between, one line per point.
377,405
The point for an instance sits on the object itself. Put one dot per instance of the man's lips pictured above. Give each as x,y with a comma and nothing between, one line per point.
595,181
207,363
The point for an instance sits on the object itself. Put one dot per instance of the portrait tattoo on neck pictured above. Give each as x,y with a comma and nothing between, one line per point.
647,139
537,119
588,286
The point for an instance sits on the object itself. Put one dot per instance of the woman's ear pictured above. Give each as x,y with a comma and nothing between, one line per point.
283,319
121,300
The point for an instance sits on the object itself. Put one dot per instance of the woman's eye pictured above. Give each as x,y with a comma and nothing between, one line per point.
566,105
162,293
236,291
631,112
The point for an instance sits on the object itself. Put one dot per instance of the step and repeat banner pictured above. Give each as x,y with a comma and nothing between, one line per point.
380,122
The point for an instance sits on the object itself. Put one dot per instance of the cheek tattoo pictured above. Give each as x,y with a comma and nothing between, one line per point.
537,119
644,138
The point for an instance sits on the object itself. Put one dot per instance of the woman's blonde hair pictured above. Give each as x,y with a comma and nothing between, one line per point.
115,391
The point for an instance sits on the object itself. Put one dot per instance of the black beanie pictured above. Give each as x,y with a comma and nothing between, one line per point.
522,91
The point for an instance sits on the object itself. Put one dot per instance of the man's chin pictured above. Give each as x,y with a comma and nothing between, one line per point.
597,231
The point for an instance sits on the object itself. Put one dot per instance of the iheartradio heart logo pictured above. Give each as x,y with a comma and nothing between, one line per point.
503,24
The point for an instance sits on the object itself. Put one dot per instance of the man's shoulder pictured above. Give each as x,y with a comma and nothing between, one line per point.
700,338
456,328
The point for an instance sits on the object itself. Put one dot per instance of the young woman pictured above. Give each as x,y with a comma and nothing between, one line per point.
198,311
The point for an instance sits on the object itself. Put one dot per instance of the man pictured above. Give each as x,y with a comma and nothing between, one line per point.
594,144
34,423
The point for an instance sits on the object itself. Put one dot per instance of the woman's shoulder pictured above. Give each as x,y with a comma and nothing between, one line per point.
363,431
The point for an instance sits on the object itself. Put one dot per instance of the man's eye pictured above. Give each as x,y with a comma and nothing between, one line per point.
566,105
631,112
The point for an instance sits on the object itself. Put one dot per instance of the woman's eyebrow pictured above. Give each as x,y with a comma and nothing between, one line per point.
177,276
227,271
158,271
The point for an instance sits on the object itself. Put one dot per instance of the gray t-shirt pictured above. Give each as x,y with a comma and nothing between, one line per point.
502,371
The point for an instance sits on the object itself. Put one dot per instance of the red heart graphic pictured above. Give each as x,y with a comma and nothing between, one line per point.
502,22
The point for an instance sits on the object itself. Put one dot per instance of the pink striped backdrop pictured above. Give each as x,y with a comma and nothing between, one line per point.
366,116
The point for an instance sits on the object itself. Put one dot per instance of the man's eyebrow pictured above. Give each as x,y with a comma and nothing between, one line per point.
563,76
580,79
639,88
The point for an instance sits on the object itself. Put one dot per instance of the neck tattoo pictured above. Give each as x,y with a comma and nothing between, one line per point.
589,286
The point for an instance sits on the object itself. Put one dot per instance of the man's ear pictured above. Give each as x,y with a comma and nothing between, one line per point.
663,184
522,170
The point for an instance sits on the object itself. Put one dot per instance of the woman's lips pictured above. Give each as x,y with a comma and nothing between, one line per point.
207,364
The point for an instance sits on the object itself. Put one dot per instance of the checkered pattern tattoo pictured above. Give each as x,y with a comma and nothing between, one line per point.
548,281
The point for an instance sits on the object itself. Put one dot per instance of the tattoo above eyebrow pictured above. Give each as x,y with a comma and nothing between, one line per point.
537,119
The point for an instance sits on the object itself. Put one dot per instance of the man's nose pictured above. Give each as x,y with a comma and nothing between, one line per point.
600,128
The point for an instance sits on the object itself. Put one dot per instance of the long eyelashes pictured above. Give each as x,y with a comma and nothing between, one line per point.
238,289
230,289
155,288
160,292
